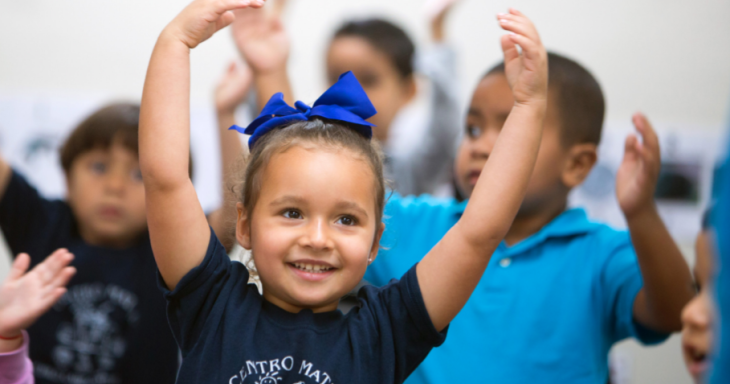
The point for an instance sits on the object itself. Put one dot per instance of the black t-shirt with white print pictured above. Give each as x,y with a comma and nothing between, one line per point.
229,334
110,327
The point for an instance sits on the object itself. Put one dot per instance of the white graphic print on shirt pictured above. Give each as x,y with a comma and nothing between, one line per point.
87,349
273,371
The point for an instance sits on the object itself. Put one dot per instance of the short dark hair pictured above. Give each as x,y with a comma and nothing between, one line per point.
113,123
578,98
387,38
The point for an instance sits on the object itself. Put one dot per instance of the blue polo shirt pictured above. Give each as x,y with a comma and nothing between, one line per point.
547,309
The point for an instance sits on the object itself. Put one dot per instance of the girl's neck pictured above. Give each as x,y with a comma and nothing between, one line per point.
283,304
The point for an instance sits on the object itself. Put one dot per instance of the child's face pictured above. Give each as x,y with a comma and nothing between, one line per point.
490,106
698,314
387,90
106,194
313,227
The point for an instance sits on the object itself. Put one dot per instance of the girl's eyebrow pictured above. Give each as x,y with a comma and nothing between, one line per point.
353,206
288,199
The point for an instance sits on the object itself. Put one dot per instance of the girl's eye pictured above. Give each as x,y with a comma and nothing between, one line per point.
347,220
473,131
292,214
98,167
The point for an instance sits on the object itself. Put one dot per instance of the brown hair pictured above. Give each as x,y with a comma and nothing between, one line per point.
116,123
318,131
577,97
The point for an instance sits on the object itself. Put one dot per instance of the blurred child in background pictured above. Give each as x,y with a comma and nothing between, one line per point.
111,326
382,57
23,298
698,315
560,290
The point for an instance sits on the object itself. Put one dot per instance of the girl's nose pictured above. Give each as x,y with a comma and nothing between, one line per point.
317,235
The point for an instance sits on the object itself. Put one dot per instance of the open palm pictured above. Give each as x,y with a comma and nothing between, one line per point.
637,176
525,71
26,296
261,39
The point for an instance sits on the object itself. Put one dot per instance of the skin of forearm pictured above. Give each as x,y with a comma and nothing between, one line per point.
667,279
223,220
162,116
504,177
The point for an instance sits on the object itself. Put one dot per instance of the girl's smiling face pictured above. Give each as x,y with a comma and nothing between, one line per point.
313,230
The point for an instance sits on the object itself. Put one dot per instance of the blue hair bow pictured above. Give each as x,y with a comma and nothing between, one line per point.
344,101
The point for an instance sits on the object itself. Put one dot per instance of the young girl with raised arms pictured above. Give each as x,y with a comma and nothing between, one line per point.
310,211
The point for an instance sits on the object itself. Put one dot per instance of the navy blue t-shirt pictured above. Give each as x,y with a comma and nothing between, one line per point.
110,327
229,334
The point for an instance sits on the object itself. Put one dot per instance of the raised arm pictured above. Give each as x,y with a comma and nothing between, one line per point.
667,279
451,270
178,228
230,92
264,44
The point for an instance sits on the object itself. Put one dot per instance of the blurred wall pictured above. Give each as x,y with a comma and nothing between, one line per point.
668,59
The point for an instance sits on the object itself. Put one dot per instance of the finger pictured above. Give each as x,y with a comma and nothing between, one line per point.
55,262
20,265
222,6
530,50
642,124
50,267
225,20
520,24
631,149
509,48
47,301
62,278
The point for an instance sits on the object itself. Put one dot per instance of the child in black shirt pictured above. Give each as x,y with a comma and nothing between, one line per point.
311,212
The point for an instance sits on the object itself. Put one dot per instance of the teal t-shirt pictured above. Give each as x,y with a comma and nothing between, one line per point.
547,310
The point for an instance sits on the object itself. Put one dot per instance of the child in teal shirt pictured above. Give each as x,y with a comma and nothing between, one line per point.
560,290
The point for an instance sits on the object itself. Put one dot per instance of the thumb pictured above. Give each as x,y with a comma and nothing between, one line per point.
20,266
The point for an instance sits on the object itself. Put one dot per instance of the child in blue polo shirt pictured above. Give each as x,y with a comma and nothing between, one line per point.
561,289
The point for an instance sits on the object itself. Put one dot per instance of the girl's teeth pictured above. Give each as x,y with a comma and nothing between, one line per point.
311,268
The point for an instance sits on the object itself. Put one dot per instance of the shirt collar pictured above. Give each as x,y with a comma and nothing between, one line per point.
571,222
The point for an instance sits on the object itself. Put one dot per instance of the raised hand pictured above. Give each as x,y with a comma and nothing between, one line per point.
261,40
437,11
637,176
202,18
26,296
526,71
233,88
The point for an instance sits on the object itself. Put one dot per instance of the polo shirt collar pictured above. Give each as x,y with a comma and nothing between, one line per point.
571,222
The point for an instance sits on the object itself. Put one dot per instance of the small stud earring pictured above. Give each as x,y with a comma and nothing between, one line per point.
370,260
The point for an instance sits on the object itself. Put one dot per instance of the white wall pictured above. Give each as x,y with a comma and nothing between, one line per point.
668,59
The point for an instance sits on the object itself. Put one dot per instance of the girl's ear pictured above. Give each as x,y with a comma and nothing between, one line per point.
243,227
376,243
